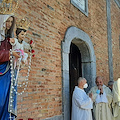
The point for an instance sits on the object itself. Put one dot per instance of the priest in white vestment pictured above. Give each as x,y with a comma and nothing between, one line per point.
102,98
81,102
116,99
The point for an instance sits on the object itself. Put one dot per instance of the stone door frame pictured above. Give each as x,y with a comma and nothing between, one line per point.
81,39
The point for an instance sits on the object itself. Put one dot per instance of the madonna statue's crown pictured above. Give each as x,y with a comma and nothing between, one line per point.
23,24
8,6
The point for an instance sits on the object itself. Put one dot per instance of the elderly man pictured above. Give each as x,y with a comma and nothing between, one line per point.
102,99
81,102
116,99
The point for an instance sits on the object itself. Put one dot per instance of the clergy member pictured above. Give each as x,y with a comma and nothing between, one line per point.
81,102
116,99
102,98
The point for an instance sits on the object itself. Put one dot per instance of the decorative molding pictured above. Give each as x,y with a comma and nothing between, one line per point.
84,43
109,37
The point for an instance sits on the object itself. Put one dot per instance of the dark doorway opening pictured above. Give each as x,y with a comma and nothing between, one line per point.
75,69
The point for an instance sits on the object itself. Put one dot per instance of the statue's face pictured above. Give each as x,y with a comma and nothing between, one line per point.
21,35
9,23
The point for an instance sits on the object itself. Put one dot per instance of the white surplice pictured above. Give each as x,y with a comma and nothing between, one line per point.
102,103
81,105
116,99
101,98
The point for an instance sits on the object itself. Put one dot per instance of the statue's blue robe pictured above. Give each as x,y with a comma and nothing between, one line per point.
5,96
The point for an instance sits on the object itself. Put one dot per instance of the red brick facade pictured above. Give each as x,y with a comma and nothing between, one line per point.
115,17
49,22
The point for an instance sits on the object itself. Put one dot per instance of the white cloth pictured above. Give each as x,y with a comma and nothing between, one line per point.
81,105
23,46
26,45
102,110
101,98
16,45
116,99
3,19
116,91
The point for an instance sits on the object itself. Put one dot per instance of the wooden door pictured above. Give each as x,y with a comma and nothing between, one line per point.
75,69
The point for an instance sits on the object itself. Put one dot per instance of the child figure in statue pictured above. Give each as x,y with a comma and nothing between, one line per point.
18,44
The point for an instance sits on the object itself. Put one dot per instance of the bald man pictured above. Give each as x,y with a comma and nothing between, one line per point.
102,98
81,102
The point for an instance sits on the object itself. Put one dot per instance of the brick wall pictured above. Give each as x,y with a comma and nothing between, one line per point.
49,21
115,20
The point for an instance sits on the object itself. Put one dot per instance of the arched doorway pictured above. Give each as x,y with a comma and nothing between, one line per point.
75,68
76,40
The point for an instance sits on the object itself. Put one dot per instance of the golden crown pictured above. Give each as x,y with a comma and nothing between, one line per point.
23,24
8,6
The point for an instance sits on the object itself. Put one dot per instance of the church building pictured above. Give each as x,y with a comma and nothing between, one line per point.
72,38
